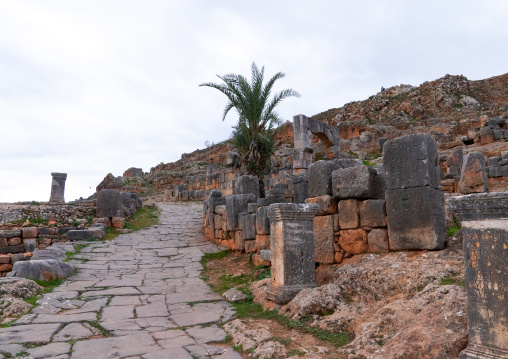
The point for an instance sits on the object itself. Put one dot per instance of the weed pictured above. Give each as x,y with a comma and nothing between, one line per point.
451,231
23,353
368,163
144,217
294,351
452,281
238,348
281,340
354,154
213,256
102,330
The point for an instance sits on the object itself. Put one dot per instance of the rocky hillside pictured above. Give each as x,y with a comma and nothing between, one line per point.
452,109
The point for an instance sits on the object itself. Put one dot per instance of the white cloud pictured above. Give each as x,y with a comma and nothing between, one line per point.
94,87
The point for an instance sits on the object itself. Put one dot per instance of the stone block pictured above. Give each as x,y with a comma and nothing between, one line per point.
354,241
494,161
14,241
248,185
29,244
17,257
109,203
12,249
5,267
378,241
336,225
118,222
327,204
455,159
58,187
252,208
247,224
44,242
104,220
250,246
63,230
258,261
360,182
498,134
301,191
292,246
348,214
416,218
498,171
263,202
236,204
262,221
9,233
5,259
86,234
221,209
3,242
239,241
323,239
30,232
320,178
265,254
262,242
373,213
411,161
474,177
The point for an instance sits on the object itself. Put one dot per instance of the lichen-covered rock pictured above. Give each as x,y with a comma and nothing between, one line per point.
270,350
12,292
247,338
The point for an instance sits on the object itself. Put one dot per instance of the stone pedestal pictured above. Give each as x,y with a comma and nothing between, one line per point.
291,250
485,232
58,187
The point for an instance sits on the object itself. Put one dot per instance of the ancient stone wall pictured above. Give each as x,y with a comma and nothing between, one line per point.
43,210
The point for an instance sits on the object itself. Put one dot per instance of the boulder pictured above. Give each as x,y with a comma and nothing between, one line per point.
43,269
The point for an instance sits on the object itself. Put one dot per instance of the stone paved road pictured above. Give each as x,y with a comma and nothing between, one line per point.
143,287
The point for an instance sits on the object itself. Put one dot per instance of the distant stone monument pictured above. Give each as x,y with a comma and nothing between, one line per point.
485,230
58,187
291,250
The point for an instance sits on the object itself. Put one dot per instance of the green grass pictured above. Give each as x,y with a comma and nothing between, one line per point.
110,233
144,217
368,163
294,351
451,231
452,281
249,309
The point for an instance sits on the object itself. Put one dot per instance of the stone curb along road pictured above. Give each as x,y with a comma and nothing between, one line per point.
137,296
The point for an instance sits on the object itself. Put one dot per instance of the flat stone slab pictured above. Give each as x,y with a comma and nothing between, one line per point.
173,353
65,318
207,334
72,331
117,347
40,333
112,291
200,313
52,350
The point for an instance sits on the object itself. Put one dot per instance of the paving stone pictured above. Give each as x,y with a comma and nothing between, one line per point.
72,331
116,347
173,353
50,351
200,313
112,291
65,318
207,334
125,300
39,333
11,348
118,313
204,350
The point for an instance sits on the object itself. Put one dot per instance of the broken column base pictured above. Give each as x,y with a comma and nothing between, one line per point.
475,351
283,294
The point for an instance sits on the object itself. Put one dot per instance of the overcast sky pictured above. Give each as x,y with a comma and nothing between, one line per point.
92,87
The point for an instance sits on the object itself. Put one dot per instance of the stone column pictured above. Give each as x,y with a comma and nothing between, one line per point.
485,231
58,187
291,250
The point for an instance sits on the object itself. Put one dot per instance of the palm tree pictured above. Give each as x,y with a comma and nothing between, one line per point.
254,133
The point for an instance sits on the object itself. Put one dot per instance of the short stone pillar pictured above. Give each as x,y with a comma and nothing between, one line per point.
58,187
485,231
291,250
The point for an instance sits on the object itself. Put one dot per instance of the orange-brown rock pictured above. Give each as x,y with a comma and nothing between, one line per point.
5,267
118,222
353,241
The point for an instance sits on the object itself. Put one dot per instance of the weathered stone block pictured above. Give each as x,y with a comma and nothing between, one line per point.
291,249
5,259
474,177
12,249
373,213
248,185
323,239
416,218
58,187
348,214
320,178
109,203
3,242
9,233
43,269
239,241
252,208
327,204
411,161
14,241
498,171
263,202
30,232
63,230
236,204
378,240
354,241
262,221
250,246
262,242
85,234
247,224
360,182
